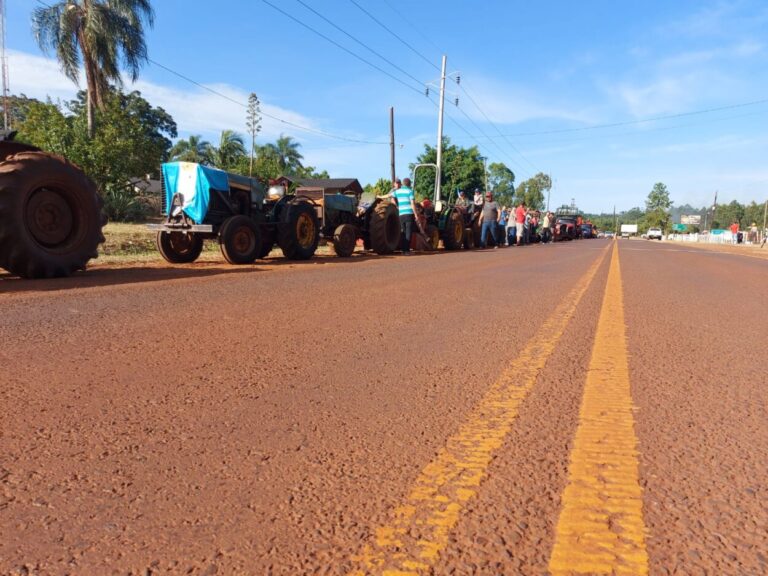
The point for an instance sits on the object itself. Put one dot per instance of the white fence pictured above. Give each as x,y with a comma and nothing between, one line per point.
724,238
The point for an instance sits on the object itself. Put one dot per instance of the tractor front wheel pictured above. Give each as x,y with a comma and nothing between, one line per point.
433,234
179,247
454,231
344,238
384,228
240,240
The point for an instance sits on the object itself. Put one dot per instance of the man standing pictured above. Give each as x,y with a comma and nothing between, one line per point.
520,222
545,232
489,220
735,231
406,205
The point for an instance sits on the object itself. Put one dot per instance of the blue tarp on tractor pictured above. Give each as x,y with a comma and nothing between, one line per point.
194,182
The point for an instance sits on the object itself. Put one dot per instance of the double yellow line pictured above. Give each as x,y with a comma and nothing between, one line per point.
601,518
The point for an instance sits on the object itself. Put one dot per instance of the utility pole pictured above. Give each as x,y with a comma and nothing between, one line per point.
392,143
438,175
765,217
485,173
4,69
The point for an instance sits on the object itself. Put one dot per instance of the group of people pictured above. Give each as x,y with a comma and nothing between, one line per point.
506,226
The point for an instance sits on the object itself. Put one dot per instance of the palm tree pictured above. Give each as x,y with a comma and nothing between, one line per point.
100,35
286,150
194,149
231,149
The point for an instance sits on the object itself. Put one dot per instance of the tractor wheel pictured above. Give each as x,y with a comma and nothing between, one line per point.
434,236
469,239
476,233
384,228
268,236
240,240
344,239
454,231
179,247
50,216
299,231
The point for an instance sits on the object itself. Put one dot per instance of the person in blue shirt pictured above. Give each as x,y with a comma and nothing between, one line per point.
406,205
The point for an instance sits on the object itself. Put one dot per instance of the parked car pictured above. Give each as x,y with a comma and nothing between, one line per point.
654,234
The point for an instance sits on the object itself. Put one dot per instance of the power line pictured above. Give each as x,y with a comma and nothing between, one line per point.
497,128
244,105
644,120
360,42
386,28
342,47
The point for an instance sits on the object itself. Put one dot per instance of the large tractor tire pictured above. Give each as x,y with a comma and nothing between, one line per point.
469,239
299,231
179,247
454,231
384,228
344,239
240,240
50,216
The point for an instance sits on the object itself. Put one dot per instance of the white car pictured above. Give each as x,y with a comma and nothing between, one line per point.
654,233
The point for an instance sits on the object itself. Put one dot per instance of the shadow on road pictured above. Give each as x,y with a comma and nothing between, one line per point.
123,274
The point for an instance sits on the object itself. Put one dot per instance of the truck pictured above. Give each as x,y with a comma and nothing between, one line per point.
51,215
628,230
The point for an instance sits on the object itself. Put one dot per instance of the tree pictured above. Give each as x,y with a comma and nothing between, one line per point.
100,35
253,123
286,152
502,182
533,191
230,151
657,207
133,140
462,170
193,149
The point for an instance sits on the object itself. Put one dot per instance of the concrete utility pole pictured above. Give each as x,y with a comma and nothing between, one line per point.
392,144
438,175
485,172
4,69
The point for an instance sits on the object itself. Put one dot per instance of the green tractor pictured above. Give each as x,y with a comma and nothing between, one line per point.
50,213
247,219
448,219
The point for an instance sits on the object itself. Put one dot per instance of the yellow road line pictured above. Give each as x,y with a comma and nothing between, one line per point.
601,528
419,529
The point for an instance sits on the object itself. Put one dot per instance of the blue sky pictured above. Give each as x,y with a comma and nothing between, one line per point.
545,74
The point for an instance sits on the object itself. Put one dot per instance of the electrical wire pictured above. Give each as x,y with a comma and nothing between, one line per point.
342,47
406,44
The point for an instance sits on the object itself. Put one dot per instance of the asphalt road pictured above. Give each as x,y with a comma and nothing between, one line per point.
592,407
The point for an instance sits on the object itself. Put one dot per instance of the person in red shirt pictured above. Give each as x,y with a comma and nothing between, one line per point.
520,221
735,231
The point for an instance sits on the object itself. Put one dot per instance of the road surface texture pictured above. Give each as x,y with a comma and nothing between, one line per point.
592,407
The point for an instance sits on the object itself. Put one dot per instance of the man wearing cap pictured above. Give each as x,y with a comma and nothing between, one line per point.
406,205
462,201
489,220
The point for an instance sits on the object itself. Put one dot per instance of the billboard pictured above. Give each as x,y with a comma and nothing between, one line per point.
693,219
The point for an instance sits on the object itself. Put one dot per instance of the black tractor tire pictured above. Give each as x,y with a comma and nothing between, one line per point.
344,239
240,240
453,233
299,231
50,216
384,228
179,247
469,239
433,234
268,237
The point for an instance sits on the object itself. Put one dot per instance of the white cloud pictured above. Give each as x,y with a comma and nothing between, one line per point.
196,110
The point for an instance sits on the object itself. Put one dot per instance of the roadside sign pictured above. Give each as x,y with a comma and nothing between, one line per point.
694,219
679,227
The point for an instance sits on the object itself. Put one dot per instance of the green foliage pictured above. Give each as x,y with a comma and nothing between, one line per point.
253,124
657,207
133,140
462,170
502,183
533,191
101,36
285,151
192,149
124,205
18,107
230,151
